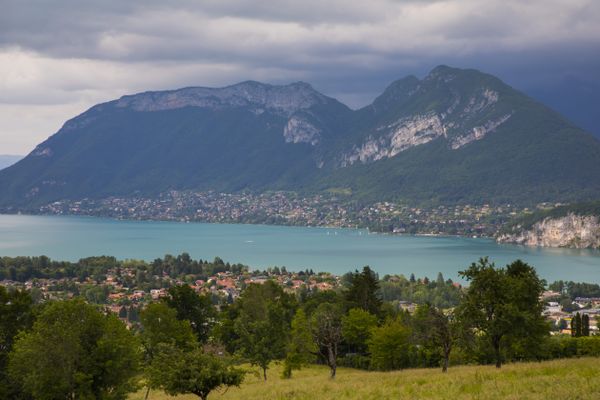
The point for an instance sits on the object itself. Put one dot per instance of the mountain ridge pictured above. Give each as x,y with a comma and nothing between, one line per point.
455,136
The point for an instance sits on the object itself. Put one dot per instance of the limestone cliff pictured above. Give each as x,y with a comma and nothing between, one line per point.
574,231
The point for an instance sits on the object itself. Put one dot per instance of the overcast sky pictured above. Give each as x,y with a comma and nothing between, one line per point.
58,58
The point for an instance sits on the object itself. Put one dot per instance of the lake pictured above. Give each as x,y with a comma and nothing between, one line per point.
260,246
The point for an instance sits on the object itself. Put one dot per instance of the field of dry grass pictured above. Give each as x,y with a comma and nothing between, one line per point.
560,379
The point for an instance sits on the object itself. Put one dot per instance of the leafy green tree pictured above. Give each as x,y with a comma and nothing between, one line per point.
356,329
363,291
390,346
326,327
224,331
160,326
437,330
194,308
504,304
74,351
263,323
301,348
177,371
313,300
16,315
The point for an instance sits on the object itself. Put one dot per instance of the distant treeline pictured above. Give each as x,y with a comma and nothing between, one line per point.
21,269
440,292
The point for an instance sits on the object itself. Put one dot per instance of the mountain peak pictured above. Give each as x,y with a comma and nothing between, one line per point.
443,73
285,99
457,136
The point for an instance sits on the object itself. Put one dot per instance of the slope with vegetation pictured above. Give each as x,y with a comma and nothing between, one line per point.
524,381
456,136
185,345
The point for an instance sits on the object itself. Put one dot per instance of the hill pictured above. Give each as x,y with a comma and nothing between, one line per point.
456,136
7,160
573,378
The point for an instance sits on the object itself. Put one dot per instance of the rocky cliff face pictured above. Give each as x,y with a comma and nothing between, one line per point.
284,100
574,231
443,108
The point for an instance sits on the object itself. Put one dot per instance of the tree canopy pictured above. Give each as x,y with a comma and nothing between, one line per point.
263,323
196,309
363,291
504,304
74,351
191,372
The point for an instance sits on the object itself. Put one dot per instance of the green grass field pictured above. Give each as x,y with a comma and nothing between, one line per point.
561,379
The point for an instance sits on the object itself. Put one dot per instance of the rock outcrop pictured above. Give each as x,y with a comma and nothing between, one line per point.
573,231
285,99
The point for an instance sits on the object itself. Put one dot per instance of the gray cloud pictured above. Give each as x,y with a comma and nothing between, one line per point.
58,58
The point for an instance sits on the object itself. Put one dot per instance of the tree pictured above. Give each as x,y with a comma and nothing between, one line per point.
224,331
576,325
191,372
160,326
585,325
503,304
313,300
194,308
263,323
16,314
436,329
356,328
326,327
75,352
440,282
363,291
301,349
390,345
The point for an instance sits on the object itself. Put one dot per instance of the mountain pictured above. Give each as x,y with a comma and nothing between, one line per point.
456,136
6,160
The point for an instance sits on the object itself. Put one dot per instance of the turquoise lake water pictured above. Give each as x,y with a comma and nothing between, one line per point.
261,246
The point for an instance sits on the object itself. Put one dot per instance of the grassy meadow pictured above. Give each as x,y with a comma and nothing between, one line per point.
558,379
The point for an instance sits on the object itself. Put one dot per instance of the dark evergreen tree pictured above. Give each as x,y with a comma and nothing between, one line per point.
440,280
576,325
585,325
363,291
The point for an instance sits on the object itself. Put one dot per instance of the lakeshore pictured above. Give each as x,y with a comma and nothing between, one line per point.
334,250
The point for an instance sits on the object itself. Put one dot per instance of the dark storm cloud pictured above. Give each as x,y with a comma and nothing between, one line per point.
59,57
